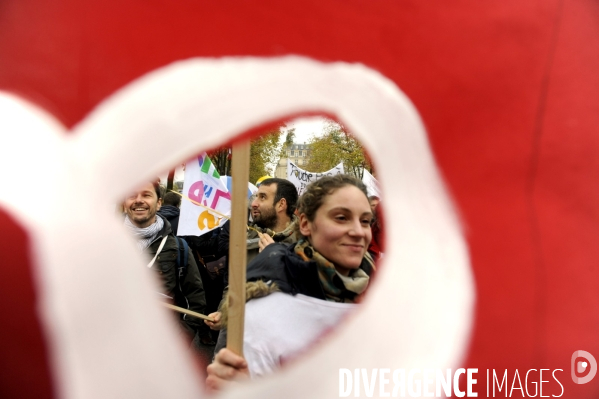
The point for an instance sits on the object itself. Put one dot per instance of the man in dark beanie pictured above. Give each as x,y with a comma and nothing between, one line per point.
170,209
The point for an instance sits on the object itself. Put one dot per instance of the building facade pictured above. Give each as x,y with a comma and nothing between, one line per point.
299,154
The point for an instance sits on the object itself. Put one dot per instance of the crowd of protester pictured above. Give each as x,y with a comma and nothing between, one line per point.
310,261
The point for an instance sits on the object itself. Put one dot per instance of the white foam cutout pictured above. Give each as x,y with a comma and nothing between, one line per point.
418,313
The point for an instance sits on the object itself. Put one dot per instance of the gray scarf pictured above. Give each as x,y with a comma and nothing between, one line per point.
145,235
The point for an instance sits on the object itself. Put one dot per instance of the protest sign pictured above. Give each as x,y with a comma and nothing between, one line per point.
301,178
372,184
203,185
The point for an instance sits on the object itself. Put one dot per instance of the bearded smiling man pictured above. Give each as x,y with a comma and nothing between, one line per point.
141,207
155,238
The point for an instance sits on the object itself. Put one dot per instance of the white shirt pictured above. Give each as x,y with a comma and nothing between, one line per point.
280,326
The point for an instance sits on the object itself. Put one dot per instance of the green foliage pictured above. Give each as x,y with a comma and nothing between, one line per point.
265,152
221,160
334,146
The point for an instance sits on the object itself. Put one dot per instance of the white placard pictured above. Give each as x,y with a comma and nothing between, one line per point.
371,184
301,178
203,185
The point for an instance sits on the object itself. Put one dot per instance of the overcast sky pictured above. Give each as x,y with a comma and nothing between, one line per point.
305,128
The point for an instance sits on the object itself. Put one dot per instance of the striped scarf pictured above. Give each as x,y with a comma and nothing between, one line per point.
145,235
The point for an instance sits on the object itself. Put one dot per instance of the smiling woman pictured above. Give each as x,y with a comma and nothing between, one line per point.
321,278
336,220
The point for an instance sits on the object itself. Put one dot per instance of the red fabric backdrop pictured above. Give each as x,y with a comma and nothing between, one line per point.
507,90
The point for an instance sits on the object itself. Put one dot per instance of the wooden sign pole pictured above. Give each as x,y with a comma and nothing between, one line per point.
187,311
237,246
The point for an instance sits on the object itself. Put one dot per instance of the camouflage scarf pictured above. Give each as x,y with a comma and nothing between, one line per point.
283,236
280,236
337,288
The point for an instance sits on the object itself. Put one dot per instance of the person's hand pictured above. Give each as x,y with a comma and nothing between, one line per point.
214,325
265,240
226,369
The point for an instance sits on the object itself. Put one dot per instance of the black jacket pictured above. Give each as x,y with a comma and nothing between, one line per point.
280,264
285,237
171,213
188,292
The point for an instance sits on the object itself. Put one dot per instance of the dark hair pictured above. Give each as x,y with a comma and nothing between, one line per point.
316,192
285,189
171,198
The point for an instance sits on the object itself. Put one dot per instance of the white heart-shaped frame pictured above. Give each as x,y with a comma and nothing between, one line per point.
109,341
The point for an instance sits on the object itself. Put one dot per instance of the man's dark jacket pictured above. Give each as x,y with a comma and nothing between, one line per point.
171,213
188,292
